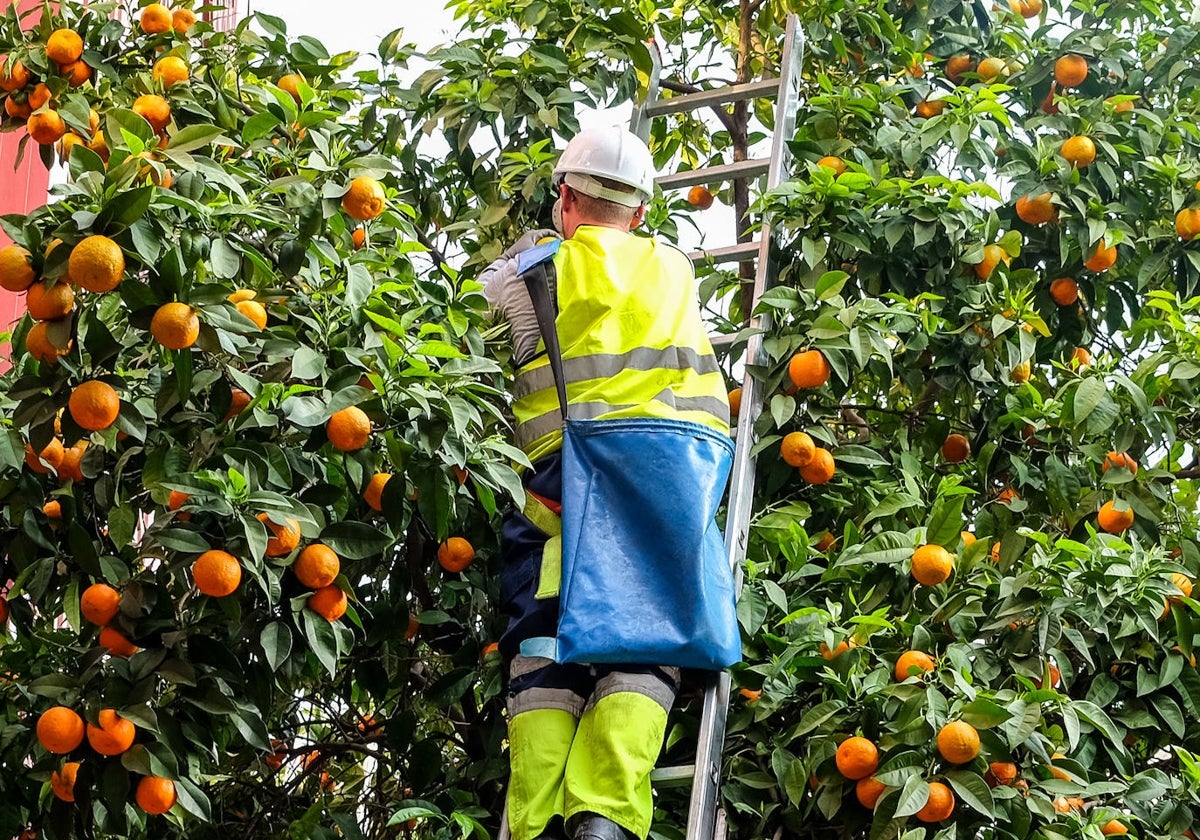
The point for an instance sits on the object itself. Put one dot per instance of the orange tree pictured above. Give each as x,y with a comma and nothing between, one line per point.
242,414
975,619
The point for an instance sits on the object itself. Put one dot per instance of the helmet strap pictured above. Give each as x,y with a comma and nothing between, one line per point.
588,185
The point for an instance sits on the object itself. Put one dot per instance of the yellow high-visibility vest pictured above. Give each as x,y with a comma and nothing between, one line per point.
632,339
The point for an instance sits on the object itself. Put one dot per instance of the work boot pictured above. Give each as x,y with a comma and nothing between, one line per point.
553,831
596,827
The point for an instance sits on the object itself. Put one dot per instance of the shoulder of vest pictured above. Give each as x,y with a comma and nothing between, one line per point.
537,255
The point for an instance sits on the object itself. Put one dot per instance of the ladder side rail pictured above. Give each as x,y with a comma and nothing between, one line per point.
702,811
639,122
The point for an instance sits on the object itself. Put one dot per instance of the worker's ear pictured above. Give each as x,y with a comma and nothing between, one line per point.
638,215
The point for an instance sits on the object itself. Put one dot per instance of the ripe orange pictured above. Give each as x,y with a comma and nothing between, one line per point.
116,643
797,449
177,499
60,730
374,492
52,455
64,46
1114,521
318,565
16,268
1036,209
1114,827
53,512
1187,223
155,795
175,325
17,109
833,162
1070,70
993,255
956,448
238,400
241,295
809,369
253,310
968,539
455,554
97,263
927,108
992,69
13,75
840,648
100,603
1064,291
348,430
957,65
414,627
328,602
283,538
114,734
940,804
217,573
171,70
1081,358
868,791
1001,772
913,663
932,564
94,405
290,84
156,19
49,304
1183,583
77,72
821,468
1028,9
857,757
700,197
1079,151
825,542
359,237
1102,259
46,127
182,20
958,742
38,97
154,109
1021,372
364,199
1119,459
62,782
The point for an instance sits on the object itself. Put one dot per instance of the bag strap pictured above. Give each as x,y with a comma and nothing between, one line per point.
537,270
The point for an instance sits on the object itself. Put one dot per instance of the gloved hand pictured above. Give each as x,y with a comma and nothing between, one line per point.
528,240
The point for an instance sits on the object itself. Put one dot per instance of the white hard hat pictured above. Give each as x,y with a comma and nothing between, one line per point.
614,153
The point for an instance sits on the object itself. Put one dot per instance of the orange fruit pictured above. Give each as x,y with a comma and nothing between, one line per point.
833,162
17,109
217,573
927,108
455,554
359,237
155,795
825,542
182,20
374,492
46,127
1070,70
1114,521
364,198
13,75
53,511
414,627
97,264
116,643
919,660
62,782
175,325
72,455
100,603
1021,372
16,268
1036,209
50,304
238,400
253,310
797,449
1114,827
956,448
1080,358
841,647
868,791
1064,291
156,19
1119,459
808,369
957,65
329,602
283,538
751,695
821,468
1007,496
857,757
700,197
77,72
940,804
932,564
171,70
64,46
318,565
1079,151
1001,772
39,96
52,454
290,84
1183,583
60,730
958,742
1028,8
992,69
1187,223
968,539
177,499
69,141
94,405
241,295
154,109
1102,259
993,255
348,430
114,734
735,402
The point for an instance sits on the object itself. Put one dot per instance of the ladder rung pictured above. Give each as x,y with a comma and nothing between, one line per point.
722,340
738,252
723,172
676,776
714,96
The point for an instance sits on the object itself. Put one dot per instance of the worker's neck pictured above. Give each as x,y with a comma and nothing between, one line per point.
610,225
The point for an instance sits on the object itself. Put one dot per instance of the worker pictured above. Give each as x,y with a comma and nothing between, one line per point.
583,739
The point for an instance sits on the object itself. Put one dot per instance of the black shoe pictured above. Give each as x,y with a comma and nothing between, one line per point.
554,831
596,827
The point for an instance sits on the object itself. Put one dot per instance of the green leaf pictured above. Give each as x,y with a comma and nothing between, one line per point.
193,137
322,640
276,640
945,521
1087,396
913,797
355,540
972,789
193,800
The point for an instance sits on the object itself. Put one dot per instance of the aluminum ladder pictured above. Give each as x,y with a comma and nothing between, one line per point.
706,819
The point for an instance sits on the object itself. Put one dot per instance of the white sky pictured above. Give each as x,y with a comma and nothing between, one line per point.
360,24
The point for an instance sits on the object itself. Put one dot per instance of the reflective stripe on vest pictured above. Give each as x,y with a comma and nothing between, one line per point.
633,341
